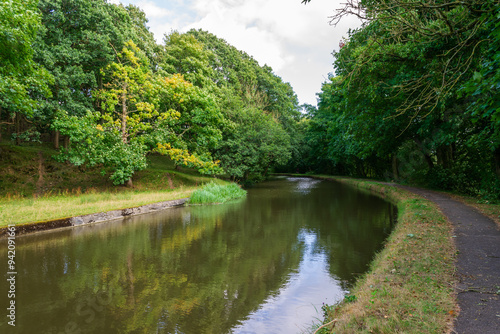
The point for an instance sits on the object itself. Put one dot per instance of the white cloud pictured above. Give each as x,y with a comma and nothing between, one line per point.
152,10
294,39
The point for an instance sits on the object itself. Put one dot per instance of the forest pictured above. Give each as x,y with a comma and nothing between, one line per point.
89,76
412,97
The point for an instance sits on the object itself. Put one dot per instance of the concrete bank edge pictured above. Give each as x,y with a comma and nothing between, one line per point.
92,218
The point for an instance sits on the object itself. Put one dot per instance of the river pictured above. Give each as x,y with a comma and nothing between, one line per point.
264,264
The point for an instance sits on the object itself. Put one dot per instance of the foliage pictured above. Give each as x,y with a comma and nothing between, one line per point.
414,97
184,54
73,46
254,142
117,95
94,144
261,111
181,156
195,118
20,75
217,193
130,125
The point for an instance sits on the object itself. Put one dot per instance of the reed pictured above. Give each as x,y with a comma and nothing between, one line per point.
217,193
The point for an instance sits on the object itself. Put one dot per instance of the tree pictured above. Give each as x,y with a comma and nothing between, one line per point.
20,76
76,44
253,143
410,78
113,139
184,54
130,124
142,36
198,117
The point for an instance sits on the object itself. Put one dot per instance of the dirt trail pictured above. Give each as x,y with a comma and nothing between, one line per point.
477,239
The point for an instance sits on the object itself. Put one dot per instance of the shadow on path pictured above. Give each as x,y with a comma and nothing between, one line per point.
477,239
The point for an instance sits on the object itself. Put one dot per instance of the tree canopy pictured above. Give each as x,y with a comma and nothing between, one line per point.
91,72
414,96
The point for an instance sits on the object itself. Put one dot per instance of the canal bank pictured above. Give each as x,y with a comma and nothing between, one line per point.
92,218
265,264
210,193
410,285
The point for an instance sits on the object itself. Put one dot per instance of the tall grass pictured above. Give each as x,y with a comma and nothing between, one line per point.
217,193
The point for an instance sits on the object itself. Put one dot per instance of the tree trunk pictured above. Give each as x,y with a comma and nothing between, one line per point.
445,156
429,161
496,154
130,184
395,167
56,139
66,142
426,153
18,128
124,114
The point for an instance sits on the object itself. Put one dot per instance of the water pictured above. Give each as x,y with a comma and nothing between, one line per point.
265,264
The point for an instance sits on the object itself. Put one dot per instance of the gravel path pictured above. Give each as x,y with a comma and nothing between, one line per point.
478,265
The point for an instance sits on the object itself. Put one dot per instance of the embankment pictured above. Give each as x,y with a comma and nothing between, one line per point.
410,285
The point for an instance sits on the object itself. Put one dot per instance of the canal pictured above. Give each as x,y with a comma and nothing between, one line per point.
264,264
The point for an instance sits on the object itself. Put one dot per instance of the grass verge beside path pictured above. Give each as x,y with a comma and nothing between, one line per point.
409,287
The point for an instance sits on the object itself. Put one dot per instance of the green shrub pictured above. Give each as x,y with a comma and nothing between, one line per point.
217,193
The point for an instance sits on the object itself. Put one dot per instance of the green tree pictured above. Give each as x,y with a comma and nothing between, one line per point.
142,36
184,54
198,120
253,143
116,143
20,76
77,43
130,124
409,88
247,90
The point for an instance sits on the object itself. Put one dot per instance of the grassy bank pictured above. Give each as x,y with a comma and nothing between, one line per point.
35,187
216,193
409,287
19,211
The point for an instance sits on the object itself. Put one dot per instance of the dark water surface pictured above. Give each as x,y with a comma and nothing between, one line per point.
265,264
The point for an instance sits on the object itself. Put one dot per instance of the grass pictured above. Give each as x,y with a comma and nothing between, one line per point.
217,193
19,211
35,187
409,287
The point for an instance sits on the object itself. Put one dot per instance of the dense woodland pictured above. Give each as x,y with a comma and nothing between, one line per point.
89,76
413,98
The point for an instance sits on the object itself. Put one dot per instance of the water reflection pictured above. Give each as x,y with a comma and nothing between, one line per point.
264,264
300,299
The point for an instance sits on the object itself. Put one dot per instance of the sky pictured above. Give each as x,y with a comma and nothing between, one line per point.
296,40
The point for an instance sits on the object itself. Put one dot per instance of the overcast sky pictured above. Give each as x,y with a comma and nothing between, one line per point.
294,39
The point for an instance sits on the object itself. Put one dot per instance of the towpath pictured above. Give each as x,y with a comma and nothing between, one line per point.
478,265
